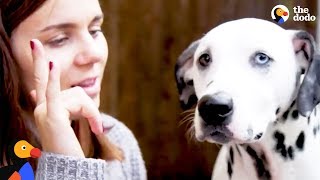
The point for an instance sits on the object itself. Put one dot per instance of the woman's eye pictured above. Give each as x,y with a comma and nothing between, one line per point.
204,60
58,41
95,33
261,59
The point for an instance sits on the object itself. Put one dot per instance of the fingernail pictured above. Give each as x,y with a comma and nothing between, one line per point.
101,129
50,65
32,44
107,126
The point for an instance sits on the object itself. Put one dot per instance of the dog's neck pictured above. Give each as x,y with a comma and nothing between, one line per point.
289,147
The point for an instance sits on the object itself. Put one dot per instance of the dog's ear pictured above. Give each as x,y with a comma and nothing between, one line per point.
309,92
184,79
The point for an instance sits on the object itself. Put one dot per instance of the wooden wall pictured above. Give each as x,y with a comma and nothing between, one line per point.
145,38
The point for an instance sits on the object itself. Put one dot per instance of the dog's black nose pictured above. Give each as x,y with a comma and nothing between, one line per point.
215,109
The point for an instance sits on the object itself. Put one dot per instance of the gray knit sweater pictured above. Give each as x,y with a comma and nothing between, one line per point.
56,166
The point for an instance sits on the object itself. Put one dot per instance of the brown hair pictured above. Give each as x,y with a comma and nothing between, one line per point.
13,99
12,13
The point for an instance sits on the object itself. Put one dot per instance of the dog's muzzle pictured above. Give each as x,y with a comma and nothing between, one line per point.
215,111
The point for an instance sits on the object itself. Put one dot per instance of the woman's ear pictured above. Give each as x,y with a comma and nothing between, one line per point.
309,58
184,79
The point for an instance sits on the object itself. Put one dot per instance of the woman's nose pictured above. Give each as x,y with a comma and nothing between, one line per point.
89,51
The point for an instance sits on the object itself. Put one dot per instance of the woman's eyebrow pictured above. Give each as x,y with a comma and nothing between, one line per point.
58,26
96,19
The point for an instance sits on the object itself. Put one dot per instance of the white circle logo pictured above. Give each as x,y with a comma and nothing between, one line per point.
280,13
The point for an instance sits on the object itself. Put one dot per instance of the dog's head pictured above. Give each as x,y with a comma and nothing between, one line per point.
242,75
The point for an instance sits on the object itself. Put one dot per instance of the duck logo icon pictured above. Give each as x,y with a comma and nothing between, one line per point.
20,169
280,14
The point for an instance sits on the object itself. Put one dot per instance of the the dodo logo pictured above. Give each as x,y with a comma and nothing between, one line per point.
20,168
280,14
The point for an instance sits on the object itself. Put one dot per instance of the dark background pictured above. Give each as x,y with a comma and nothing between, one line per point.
145,38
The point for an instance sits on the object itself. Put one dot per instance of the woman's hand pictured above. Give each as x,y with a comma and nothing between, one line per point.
54,107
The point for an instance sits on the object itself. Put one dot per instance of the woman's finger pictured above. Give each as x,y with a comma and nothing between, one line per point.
80,104
77,103
53,89
41,69
33,95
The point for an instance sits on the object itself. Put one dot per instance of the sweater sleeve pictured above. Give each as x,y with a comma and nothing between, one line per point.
56,166
133,163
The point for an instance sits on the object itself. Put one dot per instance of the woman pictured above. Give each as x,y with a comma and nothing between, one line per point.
52,60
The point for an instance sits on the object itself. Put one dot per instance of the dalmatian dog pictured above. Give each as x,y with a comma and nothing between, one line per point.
254,88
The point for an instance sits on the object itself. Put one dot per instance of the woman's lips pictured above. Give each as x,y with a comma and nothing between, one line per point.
91,86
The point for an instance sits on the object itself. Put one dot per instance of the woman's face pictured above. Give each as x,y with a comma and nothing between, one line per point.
70,31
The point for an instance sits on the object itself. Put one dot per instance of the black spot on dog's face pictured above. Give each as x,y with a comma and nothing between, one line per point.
280,146
277,111
209,83
190,82
181,85
295,114
285,115
238,150
259,163
267,175
258,136
292,104
251,152
229,169
191,101
283,151
231,155
279,136
291,152
300,141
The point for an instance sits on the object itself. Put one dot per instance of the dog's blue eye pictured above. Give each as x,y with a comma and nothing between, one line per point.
261,58
204,60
